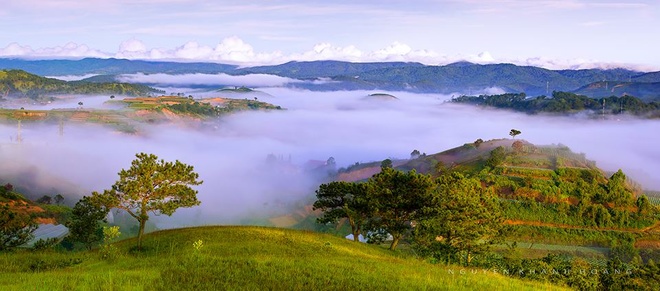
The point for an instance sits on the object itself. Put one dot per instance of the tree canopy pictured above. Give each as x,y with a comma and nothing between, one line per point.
340,200
15,228
152,185
397,198
463,218
514,132
85,223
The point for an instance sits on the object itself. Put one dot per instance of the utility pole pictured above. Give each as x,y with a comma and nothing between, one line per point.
19,138
61,127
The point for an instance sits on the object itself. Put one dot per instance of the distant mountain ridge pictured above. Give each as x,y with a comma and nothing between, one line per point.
461,77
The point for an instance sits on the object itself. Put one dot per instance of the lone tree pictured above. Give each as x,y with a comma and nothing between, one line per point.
414,154
59,199
152,185
514,132
386,163
340,200
45,200
15,228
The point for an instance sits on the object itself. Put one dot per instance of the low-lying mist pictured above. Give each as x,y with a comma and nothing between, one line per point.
230,156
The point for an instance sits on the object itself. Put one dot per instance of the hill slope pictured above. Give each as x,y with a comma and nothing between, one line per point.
250,258
644,91
23,84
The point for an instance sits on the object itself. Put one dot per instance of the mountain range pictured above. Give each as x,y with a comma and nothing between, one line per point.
456,78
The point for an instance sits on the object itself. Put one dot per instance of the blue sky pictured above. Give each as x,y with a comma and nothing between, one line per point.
553,34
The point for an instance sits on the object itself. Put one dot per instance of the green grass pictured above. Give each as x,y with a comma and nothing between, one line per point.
248,258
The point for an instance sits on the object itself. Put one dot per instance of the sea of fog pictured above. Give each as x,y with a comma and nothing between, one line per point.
230,154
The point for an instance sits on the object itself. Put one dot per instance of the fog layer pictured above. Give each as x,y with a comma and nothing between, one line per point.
230,155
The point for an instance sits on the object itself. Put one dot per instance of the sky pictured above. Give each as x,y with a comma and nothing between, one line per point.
552,34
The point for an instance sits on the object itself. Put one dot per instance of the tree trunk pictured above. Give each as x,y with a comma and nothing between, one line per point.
395,242
354,229
356,235
140,233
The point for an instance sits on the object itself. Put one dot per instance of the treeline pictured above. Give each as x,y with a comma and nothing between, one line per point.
452,213
24,84
563,102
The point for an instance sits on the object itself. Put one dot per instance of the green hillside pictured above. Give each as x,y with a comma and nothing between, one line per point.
244,258
566,103
548,194
23,84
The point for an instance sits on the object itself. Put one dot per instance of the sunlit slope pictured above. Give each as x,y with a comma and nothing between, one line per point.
23,84
251,258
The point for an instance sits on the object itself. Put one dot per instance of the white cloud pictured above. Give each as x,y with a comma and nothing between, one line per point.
72,77
253,80
233,50
69,50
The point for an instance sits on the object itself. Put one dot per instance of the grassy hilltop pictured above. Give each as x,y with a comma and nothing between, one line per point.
137,110
244,258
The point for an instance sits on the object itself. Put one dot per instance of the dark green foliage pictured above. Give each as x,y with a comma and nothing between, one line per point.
497,157
59,199
340,200
24,84
624,251
197,108
562,102
462,219
7,193
643,204
386,163
514,132
397,199
617,192
44,244
85,223
45,200
152,185
15,228
415,154
42,265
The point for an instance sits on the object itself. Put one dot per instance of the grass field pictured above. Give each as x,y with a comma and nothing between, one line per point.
243,258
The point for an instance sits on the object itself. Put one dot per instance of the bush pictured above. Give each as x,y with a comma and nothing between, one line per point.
44,244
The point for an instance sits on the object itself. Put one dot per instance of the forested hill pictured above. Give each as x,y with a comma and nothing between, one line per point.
109,67
563,102
23,84
395,76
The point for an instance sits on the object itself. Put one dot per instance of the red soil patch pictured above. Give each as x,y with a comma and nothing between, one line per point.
25,208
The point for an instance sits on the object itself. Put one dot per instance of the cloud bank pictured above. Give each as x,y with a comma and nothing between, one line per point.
230,154
252,80
233,50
